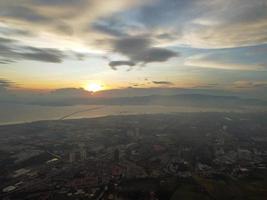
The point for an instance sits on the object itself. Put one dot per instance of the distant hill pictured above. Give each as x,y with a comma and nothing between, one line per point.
183,100
202,100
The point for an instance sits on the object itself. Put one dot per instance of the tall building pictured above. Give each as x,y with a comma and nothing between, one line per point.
137,132
72,157
83,153
134,133
116,155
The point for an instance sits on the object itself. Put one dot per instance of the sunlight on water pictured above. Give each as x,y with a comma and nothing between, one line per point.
15,113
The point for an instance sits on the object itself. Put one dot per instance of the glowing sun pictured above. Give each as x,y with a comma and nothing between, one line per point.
94,87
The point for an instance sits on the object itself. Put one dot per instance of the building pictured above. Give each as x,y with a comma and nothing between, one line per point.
116,155
72,157
83,153
244,154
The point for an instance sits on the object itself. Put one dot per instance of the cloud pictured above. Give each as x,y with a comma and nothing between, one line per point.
45,54
12,51
131,45
70,24
59,2
162,82
67,15
64,28
4,88
108,28
6,41
223,62
140,50
156,55
204,23
197,23
7,31
114,64
245,84
141,31
166,36
5,61
228,23
22,13
79,96
70,92
5,83
79,56
207,86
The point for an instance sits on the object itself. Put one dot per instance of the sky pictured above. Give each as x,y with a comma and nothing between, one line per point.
216,45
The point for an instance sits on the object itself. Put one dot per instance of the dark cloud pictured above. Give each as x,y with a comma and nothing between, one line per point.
204,24
250,84
156,55
131,45
70,92
260,85
166,36
162,82
79,56
6,40
15,32
263,65
194,23
208,85
114,64
64,28
140,50
45,55
108,29
59,2
11,51
247,12
24,13
115,26
5,61
166,12
39,11
34,15
211,85
5,83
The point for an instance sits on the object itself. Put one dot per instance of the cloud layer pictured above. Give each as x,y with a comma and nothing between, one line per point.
11,50
179,40
115,64
5,83
202,23
162,82
140,50
142,31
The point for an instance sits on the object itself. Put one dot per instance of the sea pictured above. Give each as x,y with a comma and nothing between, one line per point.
21,113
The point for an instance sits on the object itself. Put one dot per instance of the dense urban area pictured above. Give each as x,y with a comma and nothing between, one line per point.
179,156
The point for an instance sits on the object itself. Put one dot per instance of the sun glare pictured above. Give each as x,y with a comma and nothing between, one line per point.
94,87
